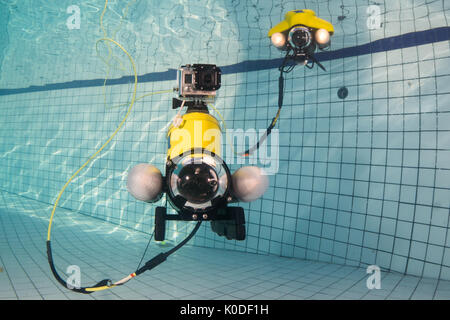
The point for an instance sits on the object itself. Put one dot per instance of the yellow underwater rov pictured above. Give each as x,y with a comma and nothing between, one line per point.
302,32
198,183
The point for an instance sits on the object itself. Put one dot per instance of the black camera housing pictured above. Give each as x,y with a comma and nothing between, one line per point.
199,80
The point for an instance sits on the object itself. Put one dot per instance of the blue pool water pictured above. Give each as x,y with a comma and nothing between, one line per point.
361,180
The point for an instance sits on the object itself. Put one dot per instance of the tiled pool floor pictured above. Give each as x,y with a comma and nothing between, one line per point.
191,273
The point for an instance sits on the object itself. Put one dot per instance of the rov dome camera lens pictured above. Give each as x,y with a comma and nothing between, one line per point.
300,37
198,180
198,183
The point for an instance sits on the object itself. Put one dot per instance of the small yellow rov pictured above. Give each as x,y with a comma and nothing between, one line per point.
302,32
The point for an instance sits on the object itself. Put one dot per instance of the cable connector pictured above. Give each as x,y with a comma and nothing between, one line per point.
152,263
103,283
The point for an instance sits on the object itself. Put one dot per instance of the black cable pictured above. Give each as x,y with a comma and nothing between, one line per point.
182,243
105,282
160,258
146,248
291,56
282,70
150,264
149,240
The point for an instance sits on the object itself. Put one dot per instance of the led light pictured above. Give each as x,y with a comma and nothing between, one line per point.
322,37
278,40
249,183
145,182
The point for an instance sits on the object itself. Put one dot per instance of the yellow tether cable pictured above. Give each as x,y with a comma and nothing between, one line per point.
104,287
220,116
107,142
101,285
141,97
110,54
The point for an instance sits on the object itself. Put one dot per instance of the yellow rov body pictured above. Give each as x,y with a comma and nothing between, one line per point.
305,17
198,130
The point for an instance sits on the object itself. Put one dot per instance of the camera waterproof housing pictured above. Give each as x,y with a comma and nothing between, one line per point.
198,80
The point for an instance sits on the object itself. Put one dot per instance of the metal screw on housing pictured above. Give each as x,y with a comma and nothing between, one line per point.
205,216
194,216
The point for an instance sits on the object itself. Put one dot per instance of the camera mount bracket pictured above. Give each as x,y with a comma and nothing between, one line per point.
192,105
